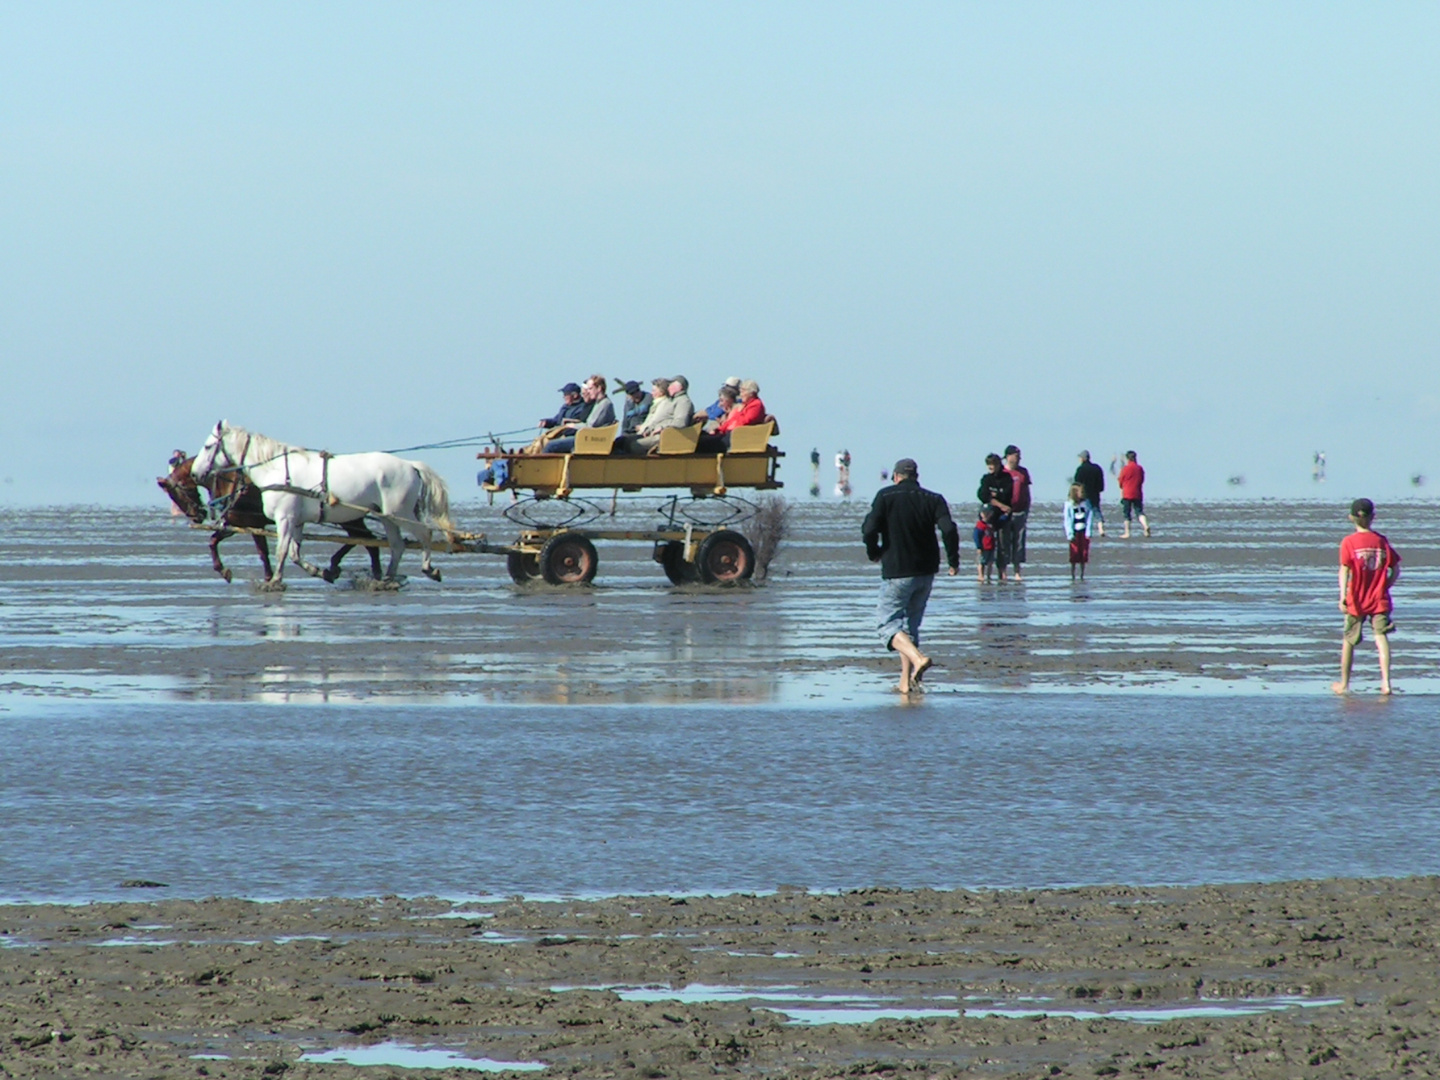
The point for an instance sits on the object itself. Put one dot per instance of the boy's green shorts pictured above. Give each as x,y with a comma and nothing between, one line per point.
1380,622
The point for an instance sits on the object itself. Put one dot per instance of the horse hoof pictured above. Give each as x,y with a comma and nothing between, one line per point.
430,572
331,575
226,575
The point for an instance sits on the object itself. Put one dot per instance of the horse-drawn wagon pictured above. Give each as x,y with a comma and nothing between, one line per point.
274,484
695,540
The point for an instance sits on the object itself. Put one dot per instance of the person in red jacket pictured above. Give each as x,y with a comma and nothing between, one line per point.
1368,567
751,409
1132,494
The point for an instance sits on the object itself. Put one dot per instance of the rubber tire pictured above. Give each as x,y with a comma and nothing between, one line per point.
568,558
524,566
725,558
677,569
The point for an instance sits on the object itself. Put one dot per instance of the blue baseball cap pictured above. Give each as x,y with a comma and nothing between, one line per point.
570,388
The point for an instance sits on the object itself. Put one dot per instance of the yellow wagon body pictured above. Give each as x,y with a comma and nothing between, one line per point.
559,474
751,463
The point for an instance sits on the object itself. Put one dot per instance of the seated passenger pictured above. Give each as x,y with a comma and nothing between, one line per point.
672,410
574,408
749,411
718,410
602,414
728,399
682,411
661,407
637,404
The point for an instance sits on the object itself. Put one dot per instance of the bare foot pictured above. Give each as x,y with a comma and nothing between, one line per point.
1340,687
1385,689
925,665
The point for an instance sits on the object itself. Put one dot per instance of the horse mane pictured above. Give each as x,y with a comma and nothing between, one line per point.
261,447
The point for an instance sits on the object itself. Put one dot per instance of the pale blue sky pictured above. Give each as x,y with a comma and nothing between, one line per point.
1208,232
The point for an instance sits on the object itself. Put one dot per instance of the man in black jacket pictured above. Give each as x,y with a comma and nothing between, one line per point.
1091,477
899,534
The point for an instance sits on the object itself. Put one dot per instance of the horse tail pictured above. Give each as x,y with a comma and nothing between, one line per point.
433,505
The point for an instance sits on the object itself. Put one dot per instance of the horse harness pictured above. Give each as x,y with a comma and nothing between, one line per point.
321,495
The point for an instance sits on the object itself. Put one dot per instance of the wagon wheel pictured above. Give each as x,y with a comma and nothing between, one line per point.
568,558
676,568
524,566
725,558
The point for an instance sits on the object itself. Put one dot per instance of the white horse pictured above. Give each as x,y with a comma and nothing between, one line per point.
299,486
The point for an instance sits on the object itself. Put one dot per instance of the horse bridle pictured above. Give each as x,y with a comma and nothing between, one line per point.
232,465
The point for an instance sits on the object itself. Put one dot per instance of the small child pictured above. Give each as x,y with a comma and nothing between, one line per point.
1368,567
985,545
1078,516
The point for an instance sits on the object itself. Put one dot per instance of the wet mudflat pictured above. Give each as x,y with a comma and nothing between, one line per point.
1335,978
1165,726
1225,598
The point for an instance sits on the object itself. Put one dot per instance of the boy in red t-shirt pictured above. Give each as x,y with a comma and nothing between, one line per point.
1368,567
1132,494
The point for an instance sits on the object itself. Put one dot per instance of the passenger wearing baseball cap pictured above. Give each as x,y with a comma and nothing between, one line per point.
657,418
899,534
601,415
637,405
1368,567
574,407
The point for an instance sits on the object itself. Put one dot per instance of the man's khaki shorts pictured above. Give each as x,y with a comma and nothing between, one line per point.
1379,622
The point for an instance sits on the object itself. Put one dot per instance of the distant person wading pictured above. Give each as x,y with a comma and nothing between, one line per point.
1132,494
1012,533
899,534
1091,478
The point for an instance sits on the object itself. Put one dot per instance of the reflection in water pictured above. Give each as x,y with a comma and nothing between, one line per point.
1182,612
816,1005
406,1056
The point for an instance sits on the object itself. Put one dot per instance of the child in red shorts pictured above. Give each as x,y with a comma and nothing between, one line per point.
1368,567
1078,517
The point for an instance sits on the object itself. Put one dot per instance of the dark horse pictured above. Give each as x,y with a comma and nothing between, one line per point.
242,510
